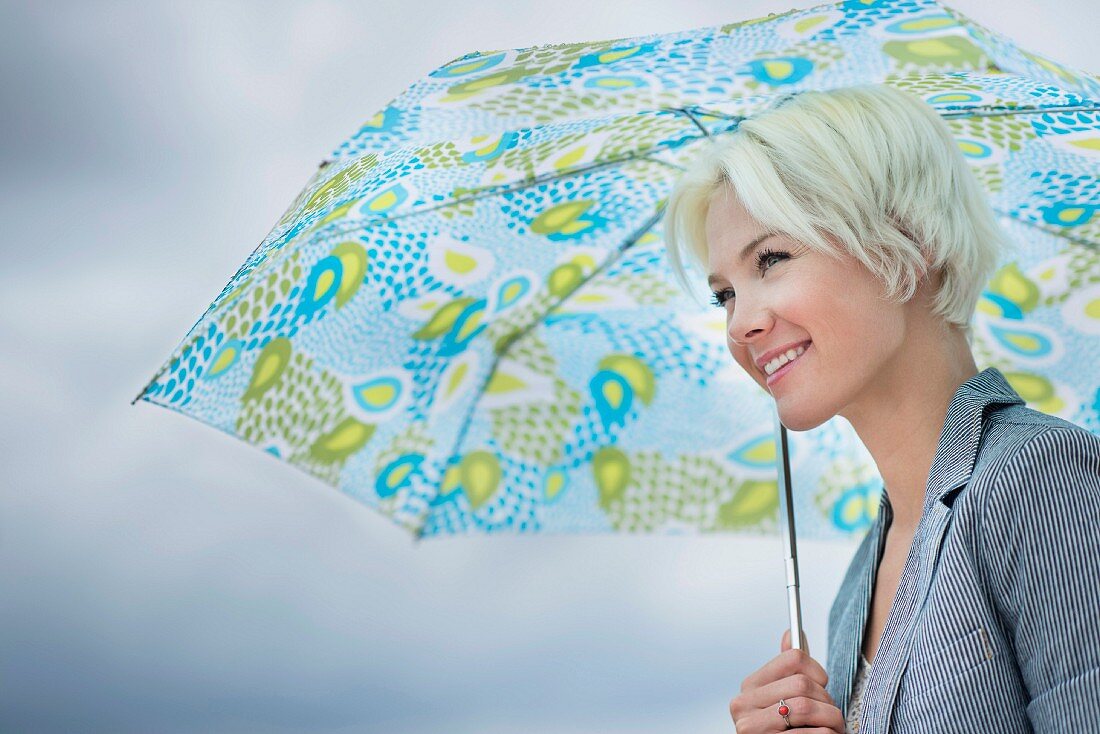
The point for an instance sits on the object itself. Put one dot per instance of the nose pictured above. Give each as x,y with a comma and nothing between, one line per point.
747,323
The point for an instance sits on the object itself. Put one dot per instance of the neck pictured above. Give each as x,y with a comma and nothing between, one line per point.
899,418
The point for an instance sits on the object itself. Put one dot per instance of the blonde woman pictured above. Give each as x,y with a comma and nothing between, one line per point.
848,242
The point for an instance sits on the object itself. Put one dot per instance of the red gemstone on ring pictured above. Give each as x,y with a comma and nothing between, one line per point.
783,710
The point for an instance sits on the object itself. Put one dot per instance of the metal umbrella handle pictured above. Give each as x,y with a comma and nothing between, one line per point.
786,518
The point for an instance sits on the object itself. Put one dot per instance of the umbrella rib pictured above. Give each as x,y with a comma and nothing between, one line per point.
977,111
629,242
697,123
1001,110
508,188
490,191
356,225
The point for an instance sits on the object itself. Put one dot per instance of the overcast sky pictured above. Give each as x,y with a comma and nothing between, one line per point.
158,575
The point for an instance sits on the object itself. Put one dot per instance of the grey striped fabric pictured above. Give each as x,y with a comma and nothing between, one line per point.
995,626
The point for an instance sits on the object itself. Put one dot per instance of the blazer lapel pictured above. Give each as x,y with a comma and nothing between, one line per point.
851,625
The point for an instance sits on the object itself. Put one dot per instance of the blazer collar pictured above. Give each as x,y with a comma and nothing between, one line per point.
957,449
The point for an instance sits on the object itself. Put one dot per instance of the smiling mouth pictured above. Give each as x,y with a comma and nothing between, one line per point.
786,366
791,355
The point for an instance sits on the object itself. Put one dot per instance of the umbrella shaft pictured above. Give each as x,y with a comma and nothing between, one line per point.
783,475
794,607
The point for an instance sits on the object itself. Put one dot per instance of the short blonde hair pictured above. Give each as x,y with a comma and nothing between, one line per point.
871,167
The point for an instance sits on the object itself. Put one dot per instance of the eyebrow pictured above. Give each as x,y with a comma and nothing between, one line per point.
744,253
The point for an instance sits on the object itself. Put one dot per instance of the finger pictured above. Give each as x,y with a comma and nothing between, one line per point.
808,712
804,714
795,686
786,663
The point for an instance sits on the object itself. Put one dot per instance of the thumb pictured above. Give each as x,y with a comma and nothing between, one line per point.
785,643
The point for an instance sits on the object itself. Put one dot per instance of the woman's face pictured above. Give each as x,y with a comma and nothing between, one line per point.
853,336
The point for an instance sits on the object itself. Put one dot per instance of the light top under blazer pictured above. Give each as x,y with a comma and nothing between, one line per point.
995,626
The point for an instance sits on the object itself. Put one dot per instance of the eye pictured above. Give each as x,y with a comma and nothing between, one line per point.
720,297
766,255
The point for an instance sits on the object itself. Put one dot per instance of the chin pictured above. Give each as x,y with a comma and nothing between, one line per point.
798,418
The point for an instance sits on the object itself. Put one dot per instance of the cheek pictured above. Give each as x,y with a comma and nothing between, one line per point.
742,357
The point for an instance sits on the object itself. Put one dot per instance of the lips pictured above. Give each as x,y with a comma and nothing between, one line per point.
780,373
769,356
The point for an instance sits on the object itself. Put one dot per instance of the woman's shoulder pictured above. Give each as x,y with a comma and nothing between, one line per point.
1032,513
1016,437
1035,421
1025,455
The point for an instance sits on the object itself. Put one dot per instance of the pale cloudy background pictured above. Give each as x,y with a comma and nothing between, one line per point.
159,576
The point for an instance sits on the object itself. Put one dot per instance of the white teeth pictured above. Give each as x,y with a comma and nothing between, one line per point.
789,356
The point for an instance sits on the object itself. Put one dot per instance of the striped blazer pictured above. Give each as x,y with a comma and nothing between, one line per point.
995,625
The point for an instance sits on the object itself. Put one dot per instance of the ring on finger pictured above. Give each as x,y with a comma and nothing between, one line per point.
784,711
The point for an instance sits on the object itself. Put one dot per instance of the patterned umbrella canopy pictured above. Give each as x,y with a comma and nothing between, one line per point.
466,319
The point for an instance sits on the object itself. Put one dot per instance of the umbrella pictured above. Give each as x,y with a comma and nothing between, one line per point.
466,319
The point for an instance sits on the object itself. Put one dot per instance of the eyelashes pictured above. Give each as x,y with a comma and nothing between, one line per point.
719,297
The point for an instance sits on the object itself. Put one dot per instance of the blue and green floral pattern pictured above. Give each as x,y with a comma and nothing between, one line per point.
466,319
